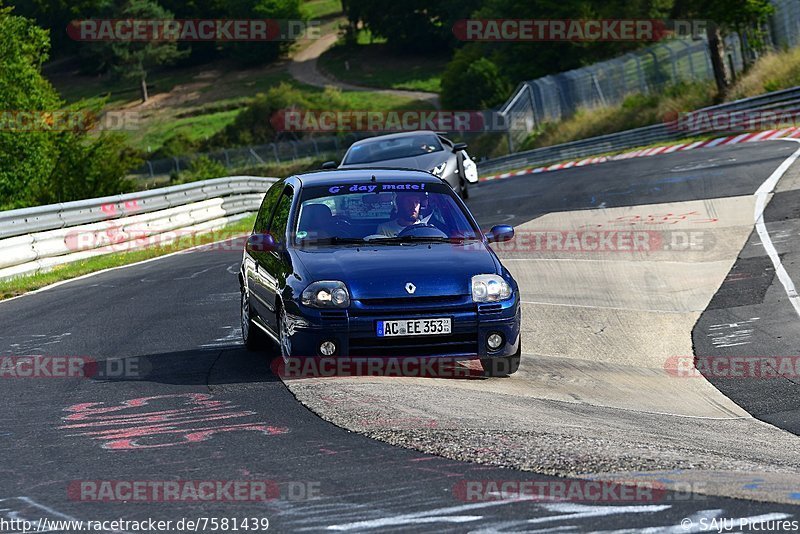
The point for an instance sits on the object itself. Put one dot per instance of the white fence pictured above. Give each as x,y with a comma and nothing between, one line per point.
34,240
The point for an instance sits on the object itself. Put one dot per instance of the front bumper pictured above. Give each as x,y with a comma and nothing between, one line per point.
354,330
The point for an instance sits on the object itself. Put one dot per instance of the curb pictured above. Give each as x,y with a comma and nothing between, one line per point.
793,132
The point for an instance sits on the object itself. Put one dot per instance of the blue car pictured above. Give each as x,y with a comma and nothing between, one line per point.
377,263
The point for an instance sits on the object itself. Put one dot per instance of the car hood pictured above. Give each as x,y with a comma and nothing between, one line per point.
424,162
383,271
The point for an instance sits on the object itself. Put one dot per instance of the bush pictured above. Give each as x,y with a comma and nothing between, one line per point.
201,168
261,121
176,145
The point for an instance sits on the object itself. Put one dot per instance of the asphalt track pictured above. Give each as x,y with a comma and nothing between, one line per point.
203,408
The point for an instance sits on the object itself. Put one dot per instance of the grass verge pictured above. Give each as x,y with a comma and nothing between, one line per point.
375,65
24,284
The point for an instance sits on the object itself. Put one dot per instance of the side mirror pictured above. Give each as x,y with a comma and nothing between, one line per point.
500,233
261,243
459,146
329,165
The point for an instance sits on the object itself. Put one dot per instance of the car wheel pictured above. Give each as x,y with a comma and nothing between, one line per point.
503,366
284,340
463,186
463,189
254,338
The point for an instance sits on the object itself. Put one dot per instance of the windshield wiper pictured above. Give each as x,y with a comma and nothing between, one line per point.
336,240
423,239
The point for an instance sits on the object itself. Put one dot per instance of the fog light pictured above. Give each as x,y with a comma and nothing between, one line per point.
328,348
494,341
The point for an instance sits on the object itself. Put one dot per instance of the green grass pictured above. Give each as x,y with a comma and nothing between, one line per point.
196,128
21,285
375,65
374,101
74,87
320,9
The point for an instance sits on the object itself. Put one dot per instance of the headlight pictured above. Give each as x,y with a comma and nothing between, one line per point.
326,294
439,170
490,288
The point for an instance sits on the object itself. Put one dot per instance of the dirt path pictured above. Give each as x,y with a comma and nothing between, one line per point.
303,68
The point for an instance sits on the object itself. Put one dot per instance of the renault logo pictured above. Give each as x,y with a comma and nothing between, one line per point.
410,288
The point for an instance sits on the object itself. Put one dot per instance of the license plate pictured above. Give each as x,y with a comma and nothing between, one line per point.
414,327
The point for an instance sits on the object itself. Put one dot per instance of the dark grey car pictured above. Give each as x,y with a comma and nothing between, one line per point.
424,150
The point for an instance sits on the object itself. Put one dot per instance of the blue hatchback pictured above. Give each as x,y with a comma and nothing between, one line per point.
377,263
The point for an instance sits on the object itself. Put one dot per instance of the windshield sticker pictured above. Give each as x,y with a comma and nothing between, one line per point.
375,188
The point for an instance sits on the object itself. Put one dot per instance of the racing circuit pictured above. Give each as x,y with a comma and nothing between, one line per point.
597,395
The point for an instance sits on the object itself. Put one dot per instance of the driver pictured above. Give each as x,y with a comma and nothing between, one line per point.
408,208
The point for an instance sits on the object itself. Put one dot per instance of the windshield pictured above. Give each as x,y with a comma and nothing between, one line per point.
383,149
381,213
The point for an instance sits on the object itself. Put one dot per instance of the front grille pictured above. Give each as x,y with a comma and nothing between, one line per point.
490,308
333,316
411,306
451,344
412,301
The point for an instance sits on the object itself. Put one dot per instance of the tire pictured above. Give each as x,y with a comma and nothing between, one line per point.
463,185
254,339
463,189
503,366
284,343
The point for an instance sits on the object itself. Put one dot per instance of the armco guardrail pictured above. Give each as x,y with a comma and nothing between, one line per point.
36,239
778,102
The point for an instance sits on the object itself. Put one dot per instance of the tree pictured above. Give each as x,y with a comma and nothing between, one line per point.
134,59
472,81
746,17
414,25
25,156
55,15
253,53
39,165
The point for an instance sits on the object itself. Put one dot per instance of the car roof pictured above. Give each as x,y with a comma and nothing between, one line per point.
362,175
393,136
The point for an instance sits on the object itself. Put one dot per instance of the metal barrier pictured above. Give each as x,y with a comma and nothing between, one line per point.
250,156
777,102
36,239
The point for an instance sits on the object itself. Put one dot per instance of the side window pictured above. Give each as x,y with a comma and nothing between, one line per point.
280,219
267,206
